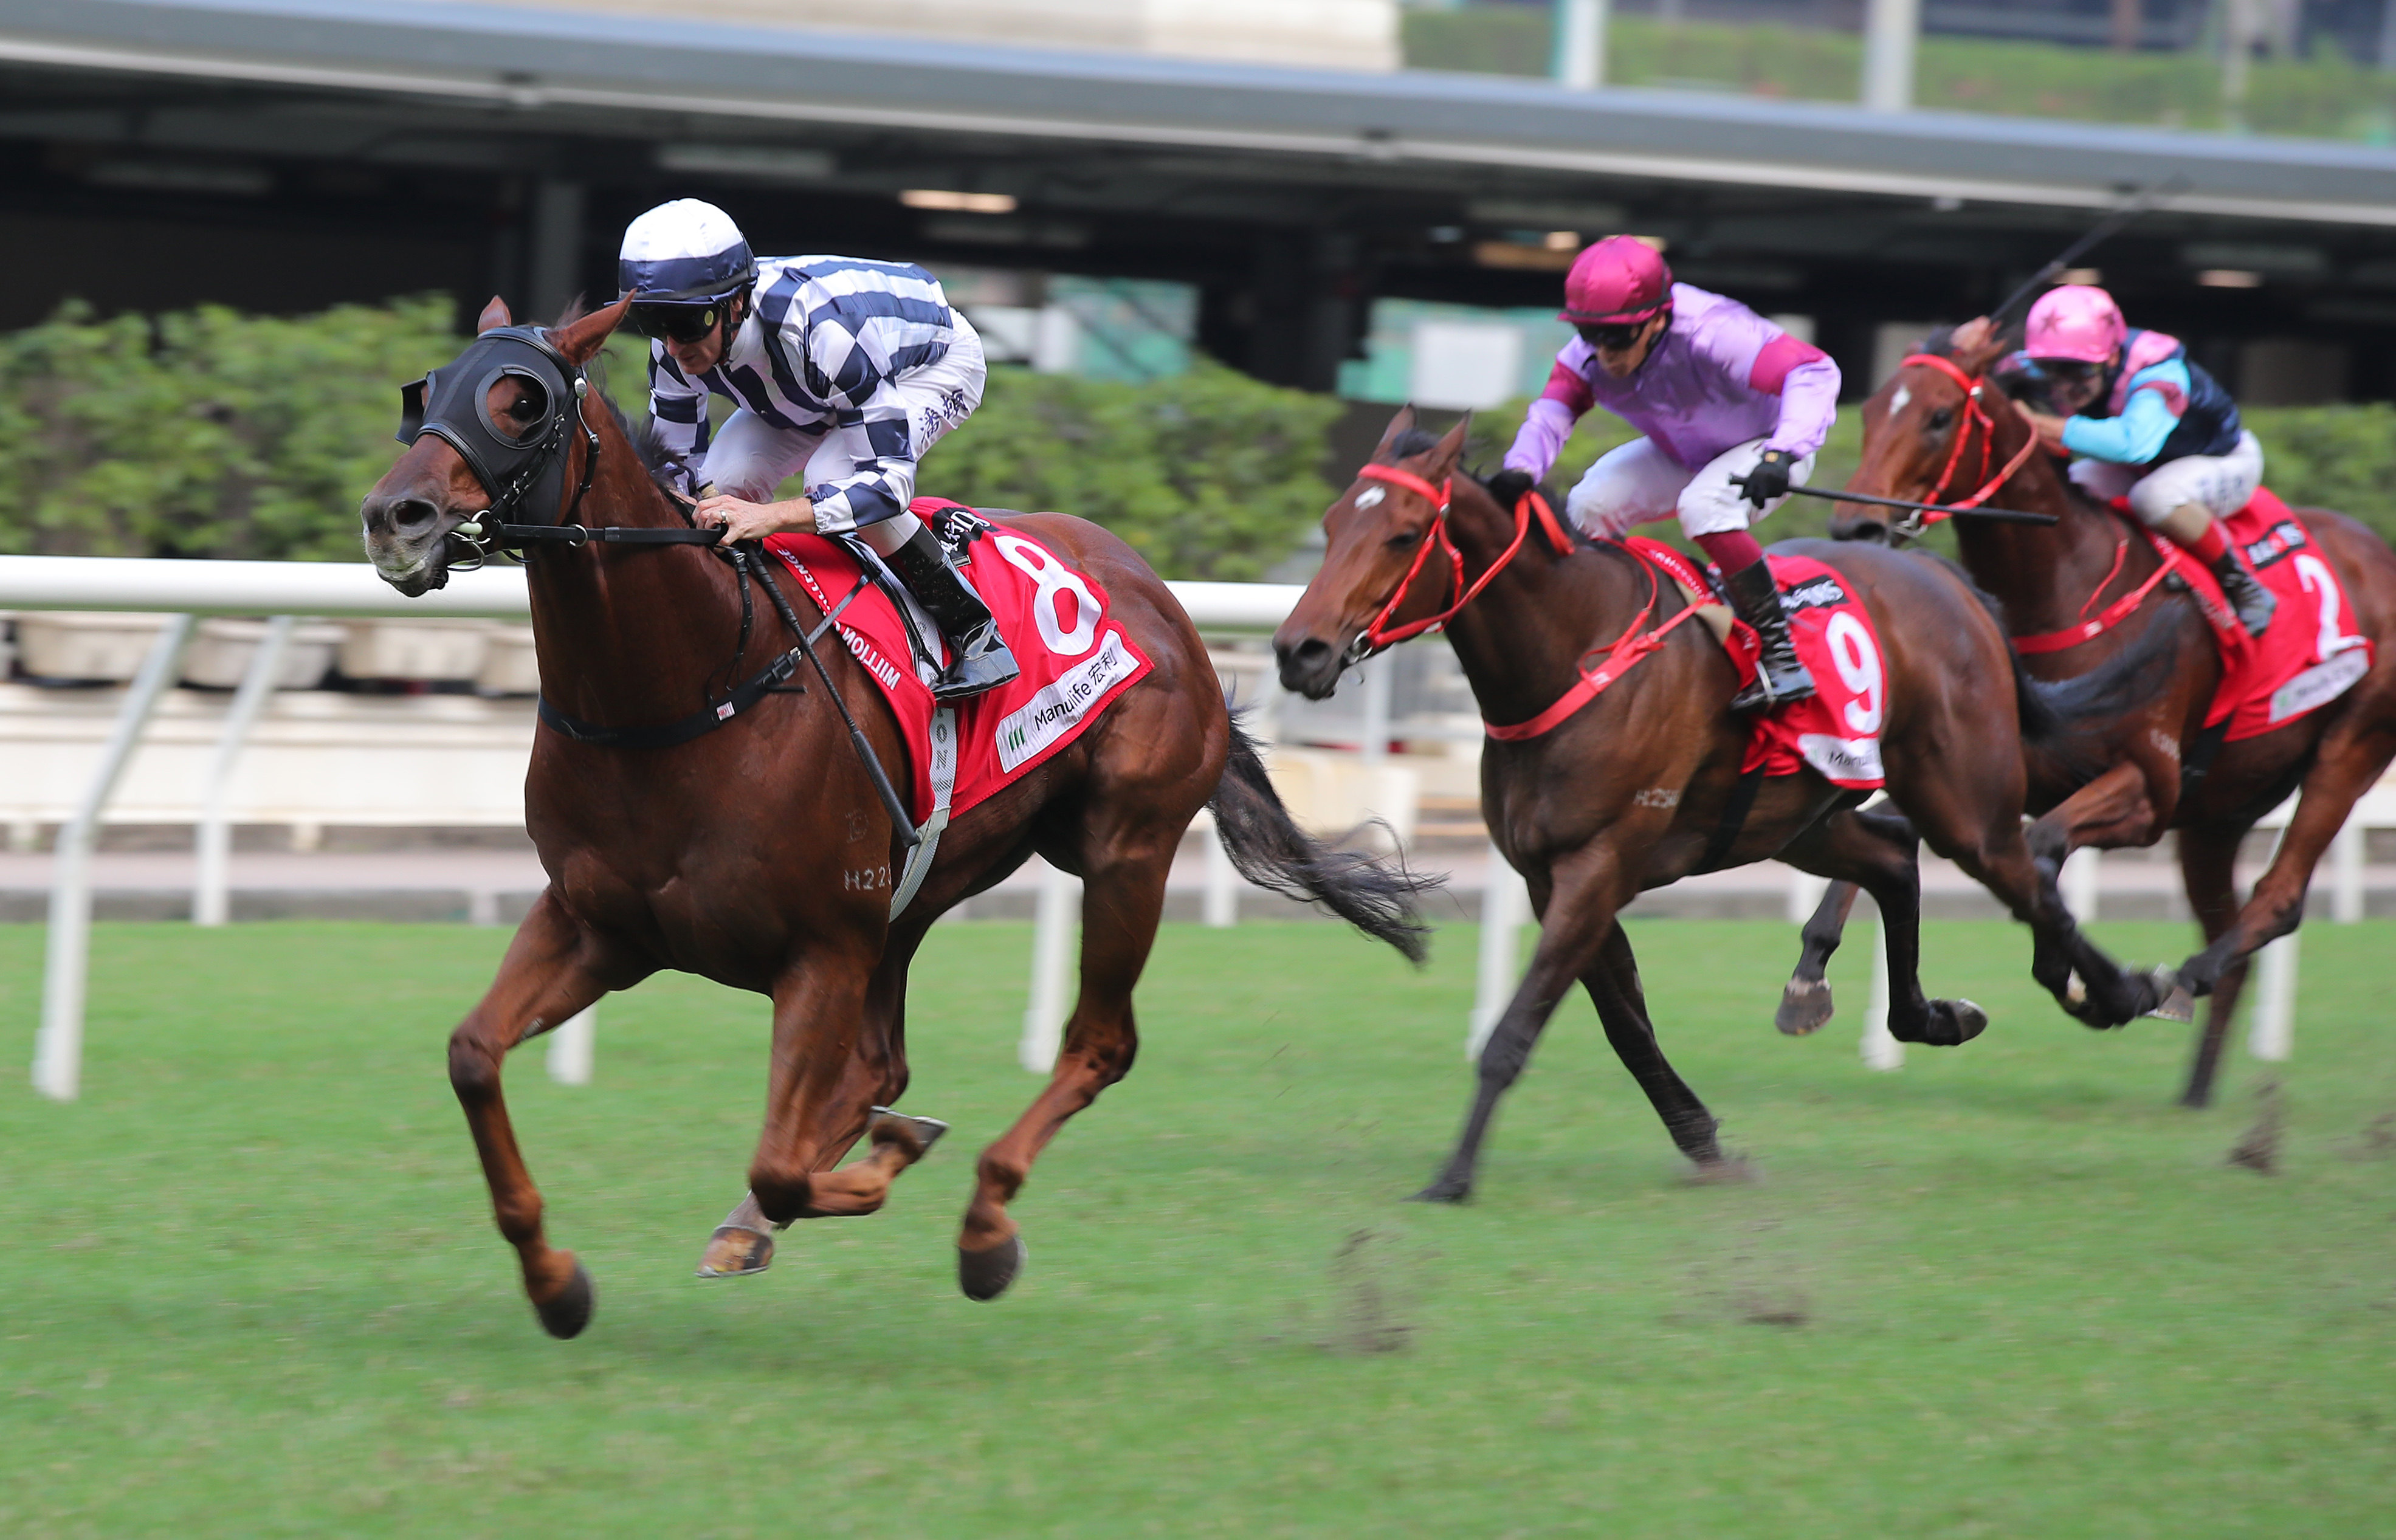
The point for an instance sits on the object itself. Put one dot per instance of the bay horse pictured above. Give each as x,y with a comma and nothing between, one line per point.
735,855
1642,786
2120,780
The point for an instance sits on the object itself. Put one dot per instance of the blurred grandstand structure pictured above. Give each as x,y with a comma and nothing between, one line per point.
285,155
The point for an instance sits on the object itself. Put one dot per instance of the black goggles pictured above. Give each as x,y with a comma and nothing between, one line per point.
675,323
1610,339
2069,371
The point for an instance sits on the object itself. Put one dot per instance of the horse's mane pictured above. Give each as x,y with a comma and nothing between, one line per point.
643,441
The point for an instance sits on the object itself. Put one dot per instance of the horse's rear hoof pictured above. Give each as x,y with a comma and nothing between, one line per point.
569,1311
2173,999
1805,1007
1447,1190
984,1275
736,1250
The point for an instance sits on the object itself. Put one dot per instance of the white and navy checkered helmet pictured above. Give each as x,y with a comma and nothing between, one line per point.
684,253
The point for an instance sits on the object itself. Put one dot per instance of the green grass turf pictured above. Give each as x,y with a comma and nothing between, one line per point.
249,1284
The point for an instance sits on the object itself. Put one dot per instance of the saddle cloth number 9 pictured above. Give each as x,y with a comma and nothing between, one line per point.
1056,581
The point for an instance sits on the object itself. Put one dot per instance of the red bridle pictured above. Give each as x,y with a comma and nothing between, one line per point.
1974,415
1379,634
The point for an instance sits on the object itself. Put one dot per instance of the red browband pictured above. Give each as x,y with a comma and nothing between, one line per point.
1378,633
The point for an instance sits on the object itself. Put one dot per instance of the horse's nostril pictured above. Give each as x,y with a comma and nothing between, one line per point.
413,513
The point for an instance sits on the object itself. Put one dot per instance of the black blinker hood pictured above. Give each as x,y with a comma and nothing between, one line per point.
448,402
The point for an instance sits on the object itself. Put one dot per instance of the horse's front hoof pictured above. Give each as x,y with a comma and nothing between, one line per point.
1805,1007
1954,1022
1723,1171
984,1275
569,1309
2173,999
736,1250
1447,1190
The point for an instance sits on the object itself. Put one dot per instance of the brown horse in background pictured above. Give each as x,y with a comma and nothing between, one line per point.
2120,780
724,857
1641,786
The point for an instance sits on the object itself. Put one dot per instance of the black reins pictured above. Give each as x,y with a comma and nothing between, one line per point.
448,402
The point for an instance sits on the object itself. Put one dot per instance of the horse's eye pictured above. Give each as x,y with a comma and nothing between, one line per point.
1942,420
523,409
1405,539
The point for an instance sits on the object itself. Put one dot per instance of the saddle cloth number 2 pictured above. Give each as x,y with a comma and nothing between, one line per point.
1056,581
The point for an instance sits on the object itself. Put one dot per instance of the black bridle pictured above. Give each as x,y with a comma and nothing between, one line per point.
526,469
515,469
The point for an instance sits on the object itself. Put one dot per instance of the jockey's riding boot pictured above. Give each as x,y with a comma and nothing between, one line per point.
978,658
2252,601
1779,677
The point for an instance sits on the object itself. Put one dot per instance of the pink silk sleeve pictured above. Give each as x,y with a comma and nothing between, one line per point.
1545,428
1549,421
1807,383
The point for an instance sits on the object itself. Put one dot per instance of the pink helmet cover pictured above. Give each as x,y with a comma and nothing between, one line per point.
1620,279
2077,321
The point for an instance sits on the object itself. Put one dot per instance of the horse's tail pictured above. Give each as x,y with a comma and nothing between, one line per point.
1268,849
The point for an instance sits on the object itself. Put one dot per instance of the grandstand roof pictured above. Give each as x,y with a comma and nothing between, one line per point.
562,64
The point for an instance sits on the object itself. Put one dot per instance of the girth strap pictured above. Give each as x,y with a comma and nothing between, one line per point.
706,719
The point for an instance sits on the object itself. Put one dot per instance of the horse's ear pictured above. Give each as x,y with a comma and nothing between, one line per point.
1402,422
579,340
1450,447
494,316
1977,362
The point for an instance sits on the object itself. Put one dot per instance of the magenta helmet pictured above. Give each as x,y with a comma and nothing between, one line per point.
1619,281
2076,321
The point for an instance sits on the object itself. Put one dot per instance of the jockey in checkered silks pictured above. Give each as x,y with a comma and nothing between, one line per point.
844,370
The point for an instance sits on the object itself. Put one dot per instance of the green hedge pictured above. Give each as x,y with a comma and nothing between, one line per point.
205,433
2324,96
1209,474
211,434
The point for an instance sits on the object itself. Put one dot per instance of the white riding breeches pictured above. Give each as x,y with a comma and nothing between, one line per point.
2219,483
748,456
1637,483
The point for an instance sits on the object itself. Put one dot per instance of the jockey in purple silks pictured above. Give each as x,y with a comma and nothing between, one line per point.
1718,392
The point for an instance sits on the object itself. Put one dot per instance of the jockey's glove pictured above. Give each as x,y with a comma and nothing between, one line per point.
1508,488
1770,478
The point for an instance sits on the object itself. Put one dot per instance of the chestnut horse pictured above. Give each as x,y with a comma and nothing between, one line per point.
2122,781
1641,786
723,855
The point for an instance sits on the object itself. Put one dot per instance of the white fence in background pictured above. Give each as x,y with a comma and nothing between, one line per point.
185,589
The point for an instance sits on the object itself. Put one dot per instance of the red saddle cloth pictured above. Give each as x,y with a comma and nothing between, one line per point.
1075,660
2309,655
1836,730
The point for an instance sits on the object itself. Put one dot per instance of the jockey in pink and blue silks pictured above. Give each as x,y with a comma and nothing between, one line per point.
2145,424
1716,391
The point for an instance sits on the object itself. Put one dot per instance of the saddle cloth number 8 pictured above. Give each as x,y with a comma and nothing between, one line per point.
1056,581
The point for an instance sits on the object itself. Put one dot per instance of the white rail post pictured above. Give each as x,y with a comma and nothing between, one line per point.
58,1050
2271,1031
1580,58
2347,857
1052,947
209,905
1505,905
1806,891
1220,909
2081,870
573,1044
1880,1051
1890,28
